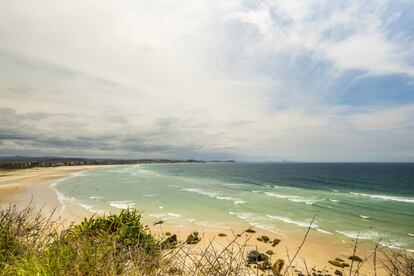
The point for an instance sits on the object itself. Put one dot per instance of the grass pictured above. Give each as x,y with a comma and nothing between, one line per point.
118,244
110,245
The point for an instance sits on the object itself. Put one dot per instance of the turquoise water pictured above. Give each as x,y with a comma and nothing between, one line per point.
370,200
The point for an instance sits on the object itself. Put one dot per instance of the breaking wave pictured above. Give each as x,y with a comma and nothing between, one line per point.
386,197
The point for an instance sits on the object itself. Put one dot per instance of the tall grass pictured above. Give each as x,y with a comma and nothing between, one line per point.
31,244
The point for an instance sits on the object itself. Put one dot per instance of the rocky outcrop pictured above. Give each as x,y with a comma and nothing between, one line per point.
255,256
193,238
169,242
277,267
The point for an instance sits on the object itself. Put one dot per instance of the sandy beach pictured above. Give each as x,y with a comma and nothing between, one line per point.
33,186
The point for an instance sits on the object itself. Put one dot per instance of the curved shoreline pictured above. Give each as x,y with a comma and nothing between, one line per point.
35,187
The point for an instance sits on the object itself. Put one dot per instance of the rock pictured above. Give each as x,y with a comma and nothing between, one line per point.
255,256
174,271
193,238
169,242
277,267
269,252
355,258
250,230
275,242
222,235
339,260
238,235
264,265
338,263
337,272
259,239
167,233
265,238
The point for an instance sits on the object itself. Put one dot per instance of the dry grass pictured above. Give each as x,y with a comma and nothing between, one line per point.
31,244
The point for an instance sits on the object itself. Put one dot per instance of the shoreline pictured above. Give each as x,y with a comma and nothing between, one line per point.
35,187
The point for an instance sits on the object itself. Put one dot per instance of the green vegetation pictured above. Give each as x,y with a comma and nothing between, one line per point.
115,244
119,244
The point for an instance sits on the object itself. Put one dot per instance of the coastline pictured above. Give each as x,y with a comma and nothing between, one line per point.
34,187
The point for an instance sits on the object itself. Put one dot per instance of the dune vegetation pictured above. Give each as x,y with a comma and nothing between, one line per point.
119,244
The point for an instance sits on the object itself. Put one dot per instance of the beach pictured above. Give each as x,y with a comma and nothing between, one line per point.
33,187
37,187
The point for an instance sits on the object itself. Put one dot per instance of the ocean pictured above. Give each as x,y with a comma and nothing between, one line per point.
368,200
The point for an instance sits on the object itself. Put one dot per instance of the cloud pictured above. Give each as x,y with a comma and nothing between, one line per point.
206,79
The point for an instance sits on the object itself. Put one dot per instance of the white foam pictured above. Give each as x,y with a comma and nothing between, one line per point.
249,218
239,215
91,209
386,197
411,235
201,192
364,217
164,215
323,231
122,204
292,198
227,198
256,192
334,200
96,197
160,207
63,199
395,245
290,221
215,195
148,195
174,215
370,235
265,227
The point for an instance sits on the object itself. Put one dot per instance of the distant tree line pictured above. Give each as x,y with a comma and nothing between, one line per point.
23,162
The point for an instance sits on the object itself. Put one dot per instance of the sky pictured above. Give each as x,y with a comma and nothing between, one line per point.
303,80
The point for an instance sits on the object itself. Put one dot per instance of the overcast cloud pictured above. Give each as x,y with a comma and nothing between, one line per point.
302,80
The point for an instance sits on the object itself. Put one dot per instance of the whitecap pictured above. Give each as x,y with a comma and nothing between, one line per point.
290,221
227,198
91,208
174,215
242,216
411,235
360,235
96,197
201,192
160,207
323,231
364,217
256,192
334,200
122,204
215,195
387,197
265,227
292,198
250,219
163,215
394,244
